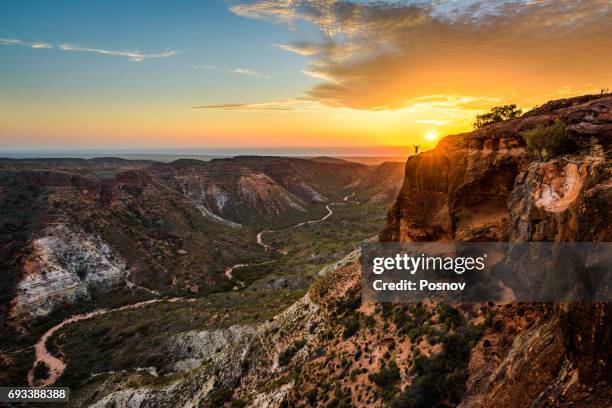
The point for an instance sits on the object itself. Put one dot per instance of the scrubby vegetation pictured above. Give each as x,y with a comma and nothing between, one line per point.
285,357
310,247
387,378
498,114
41,371
351,325
439,380
133,338
544,142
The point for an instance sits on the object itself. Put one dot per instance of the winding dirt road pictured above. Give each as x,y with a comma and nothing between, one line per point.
260,242
57,366
230,270
345,199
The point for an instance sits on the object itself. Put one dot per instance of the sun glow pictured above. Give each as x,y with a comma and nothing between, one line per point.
431,135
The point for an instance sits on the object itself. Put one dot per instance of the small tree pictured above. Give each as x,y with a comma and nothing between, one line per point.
41,371
546,141
498,114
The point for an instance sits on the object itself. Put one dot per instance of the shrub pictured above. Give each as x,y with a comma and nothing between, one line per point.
221,396
245,365
401,318
450,316
544,142
388,376
41,371
369,321
285,357
342,398
498,114
351,325
238,404
311,396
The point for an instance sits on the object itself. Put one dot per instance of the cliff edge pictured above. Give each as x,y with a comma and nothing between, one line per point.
486,186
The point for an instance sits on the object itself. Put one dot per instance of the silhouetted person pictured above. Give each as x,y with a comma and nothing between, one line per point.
416,148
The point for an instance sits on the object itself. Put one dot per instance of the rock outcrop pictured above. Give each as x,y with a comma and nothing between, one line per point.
65,266
483,186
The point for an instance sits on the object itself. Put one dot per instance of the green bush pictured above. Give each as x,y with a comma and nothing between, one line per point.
544,142
41,371
450,316
285,357
351,325
238,404
311,397
221,396
440,379
342,398
498,114
387,377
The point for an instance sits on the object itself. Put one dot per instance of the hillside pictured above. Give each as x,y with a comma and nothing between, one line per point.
261,191
328,349
78,235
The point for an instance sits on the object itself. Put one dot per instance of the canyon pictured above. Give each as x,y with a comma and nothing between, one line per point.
320,345
82,238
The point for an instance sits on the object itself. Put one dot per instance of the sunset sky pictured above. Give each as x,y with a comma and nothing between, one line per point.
285,73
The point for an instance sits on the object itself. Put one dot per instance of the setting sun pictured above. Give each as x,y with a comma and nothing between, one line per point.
431,135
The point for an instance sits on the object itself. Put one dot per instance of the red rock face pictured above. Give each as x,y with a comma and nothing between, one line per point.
458,190
480,185
483,186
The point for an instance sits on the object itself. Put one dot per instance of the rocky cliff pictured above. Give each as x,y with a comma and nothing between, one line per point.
484,186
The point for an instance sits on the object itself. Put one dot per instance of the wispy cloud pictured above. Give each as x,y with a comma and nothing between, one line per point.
300,48
132,55
317,74
237,71
14,41
296,104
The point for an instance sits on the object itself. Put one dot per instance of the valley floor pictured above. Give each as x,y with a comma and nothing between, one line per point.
78,350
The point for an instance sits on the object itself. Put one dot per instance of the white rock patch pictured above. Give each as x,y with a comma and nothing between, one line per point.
65,265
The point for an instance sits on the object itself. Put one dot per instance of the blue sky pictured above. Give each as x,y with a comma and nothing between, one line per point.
114,74
203,33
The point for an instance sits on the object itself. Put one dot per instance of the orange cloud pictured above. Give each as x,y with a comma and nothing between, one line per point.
384,55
